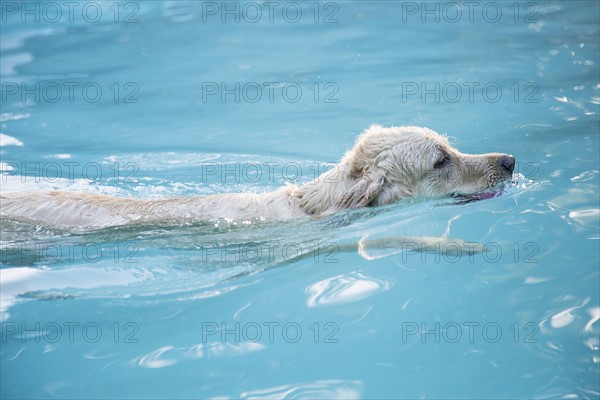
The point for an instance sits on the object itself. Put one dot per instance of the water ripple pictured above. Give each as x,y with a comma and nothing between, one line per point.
6,140
321,389
220,349
155,359
342,289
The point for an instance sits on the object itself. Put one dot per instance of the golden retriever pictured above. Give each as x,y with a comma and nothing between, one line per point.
384,166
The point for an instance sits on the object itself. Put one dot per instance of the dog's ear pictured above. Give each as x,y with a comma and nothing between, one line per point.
361,194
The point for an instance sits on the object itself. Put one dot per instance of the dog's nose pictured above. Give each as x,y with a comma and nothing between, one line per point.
507,162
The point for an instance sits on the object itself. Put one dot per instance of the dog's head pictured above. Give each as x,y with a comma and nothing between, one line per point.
389,164
413,161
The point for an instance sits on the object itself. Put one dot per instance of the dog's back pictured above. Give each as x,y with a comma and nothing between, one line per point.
92,211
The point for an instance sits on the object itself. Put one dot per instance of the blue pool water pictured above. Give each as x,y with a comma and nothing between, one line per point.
139,99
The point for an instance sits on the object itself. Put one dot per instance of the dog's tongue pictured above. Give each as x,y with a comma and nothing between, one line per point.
485,195
464,199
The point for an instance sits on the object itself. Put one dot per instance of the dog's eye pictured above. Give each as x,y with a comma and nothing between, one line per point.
441,163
